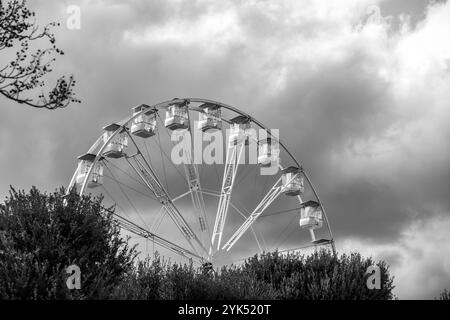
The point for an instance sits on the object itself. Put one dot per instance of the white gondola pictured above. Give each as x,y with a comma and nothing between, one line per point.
238,129
310,215
292,182
177,117
84,164
268,152
116,147
144,125
210,118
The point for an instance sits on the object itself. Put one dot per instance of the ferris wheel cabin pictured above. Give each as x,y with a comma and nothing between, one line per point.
292,182
310,215
144,125
210,118
84,164
238,129
177,117
116,147
268,152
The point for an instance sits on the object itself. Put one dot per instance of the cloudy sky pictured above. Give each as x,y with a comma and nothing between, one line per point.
359,88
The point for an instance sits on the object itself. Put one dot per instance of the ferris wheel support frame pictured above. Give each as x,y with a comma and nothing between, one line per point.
238,210
234,153
193,179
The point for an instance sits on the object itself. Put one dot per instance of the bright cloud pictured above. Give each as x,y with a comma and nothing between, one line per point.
418,260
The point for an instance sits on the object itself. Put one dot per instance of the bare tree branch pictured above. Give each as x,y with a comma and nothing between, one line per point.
26,72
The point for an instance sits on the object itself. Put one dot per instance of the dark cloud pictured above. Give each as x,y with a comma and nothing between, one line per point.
361,105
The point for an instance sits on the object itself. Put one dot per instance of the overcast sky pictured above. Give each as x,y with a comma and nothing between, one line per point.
359,88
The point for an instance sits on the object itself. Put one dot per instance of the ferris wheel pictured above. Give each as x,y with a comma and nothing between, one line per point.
197,208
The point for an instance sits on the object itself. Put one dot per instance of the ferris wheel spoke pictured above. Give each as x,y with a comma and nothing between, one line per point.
235,207
195,188
162,160
181,196
158,220
156,188
197,199
251,227
116,204
169,160
296,209
136,229
286,237
126,196
263,241
273,193
129,187
234,152
192,179
256,238
149,177
110,163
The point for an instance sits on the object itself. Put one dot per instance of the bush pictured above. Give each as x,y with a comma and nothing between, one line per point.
40,236
158,279
445,295
268,276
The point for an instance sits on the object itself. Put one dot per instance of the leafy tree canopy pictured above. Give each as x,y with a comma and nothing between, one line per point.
41,235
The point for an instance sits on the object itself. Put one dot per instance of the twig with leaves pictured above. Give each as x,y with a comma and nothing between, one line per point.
26,72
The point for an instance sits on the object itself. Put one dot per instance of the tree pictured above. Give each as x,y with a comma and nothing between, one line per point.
24,74
445,295
41,235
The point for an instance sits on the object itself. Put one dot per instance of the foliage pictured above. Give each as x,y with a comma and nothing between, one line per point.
19,33
41,235
160,279
445,295
268,276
